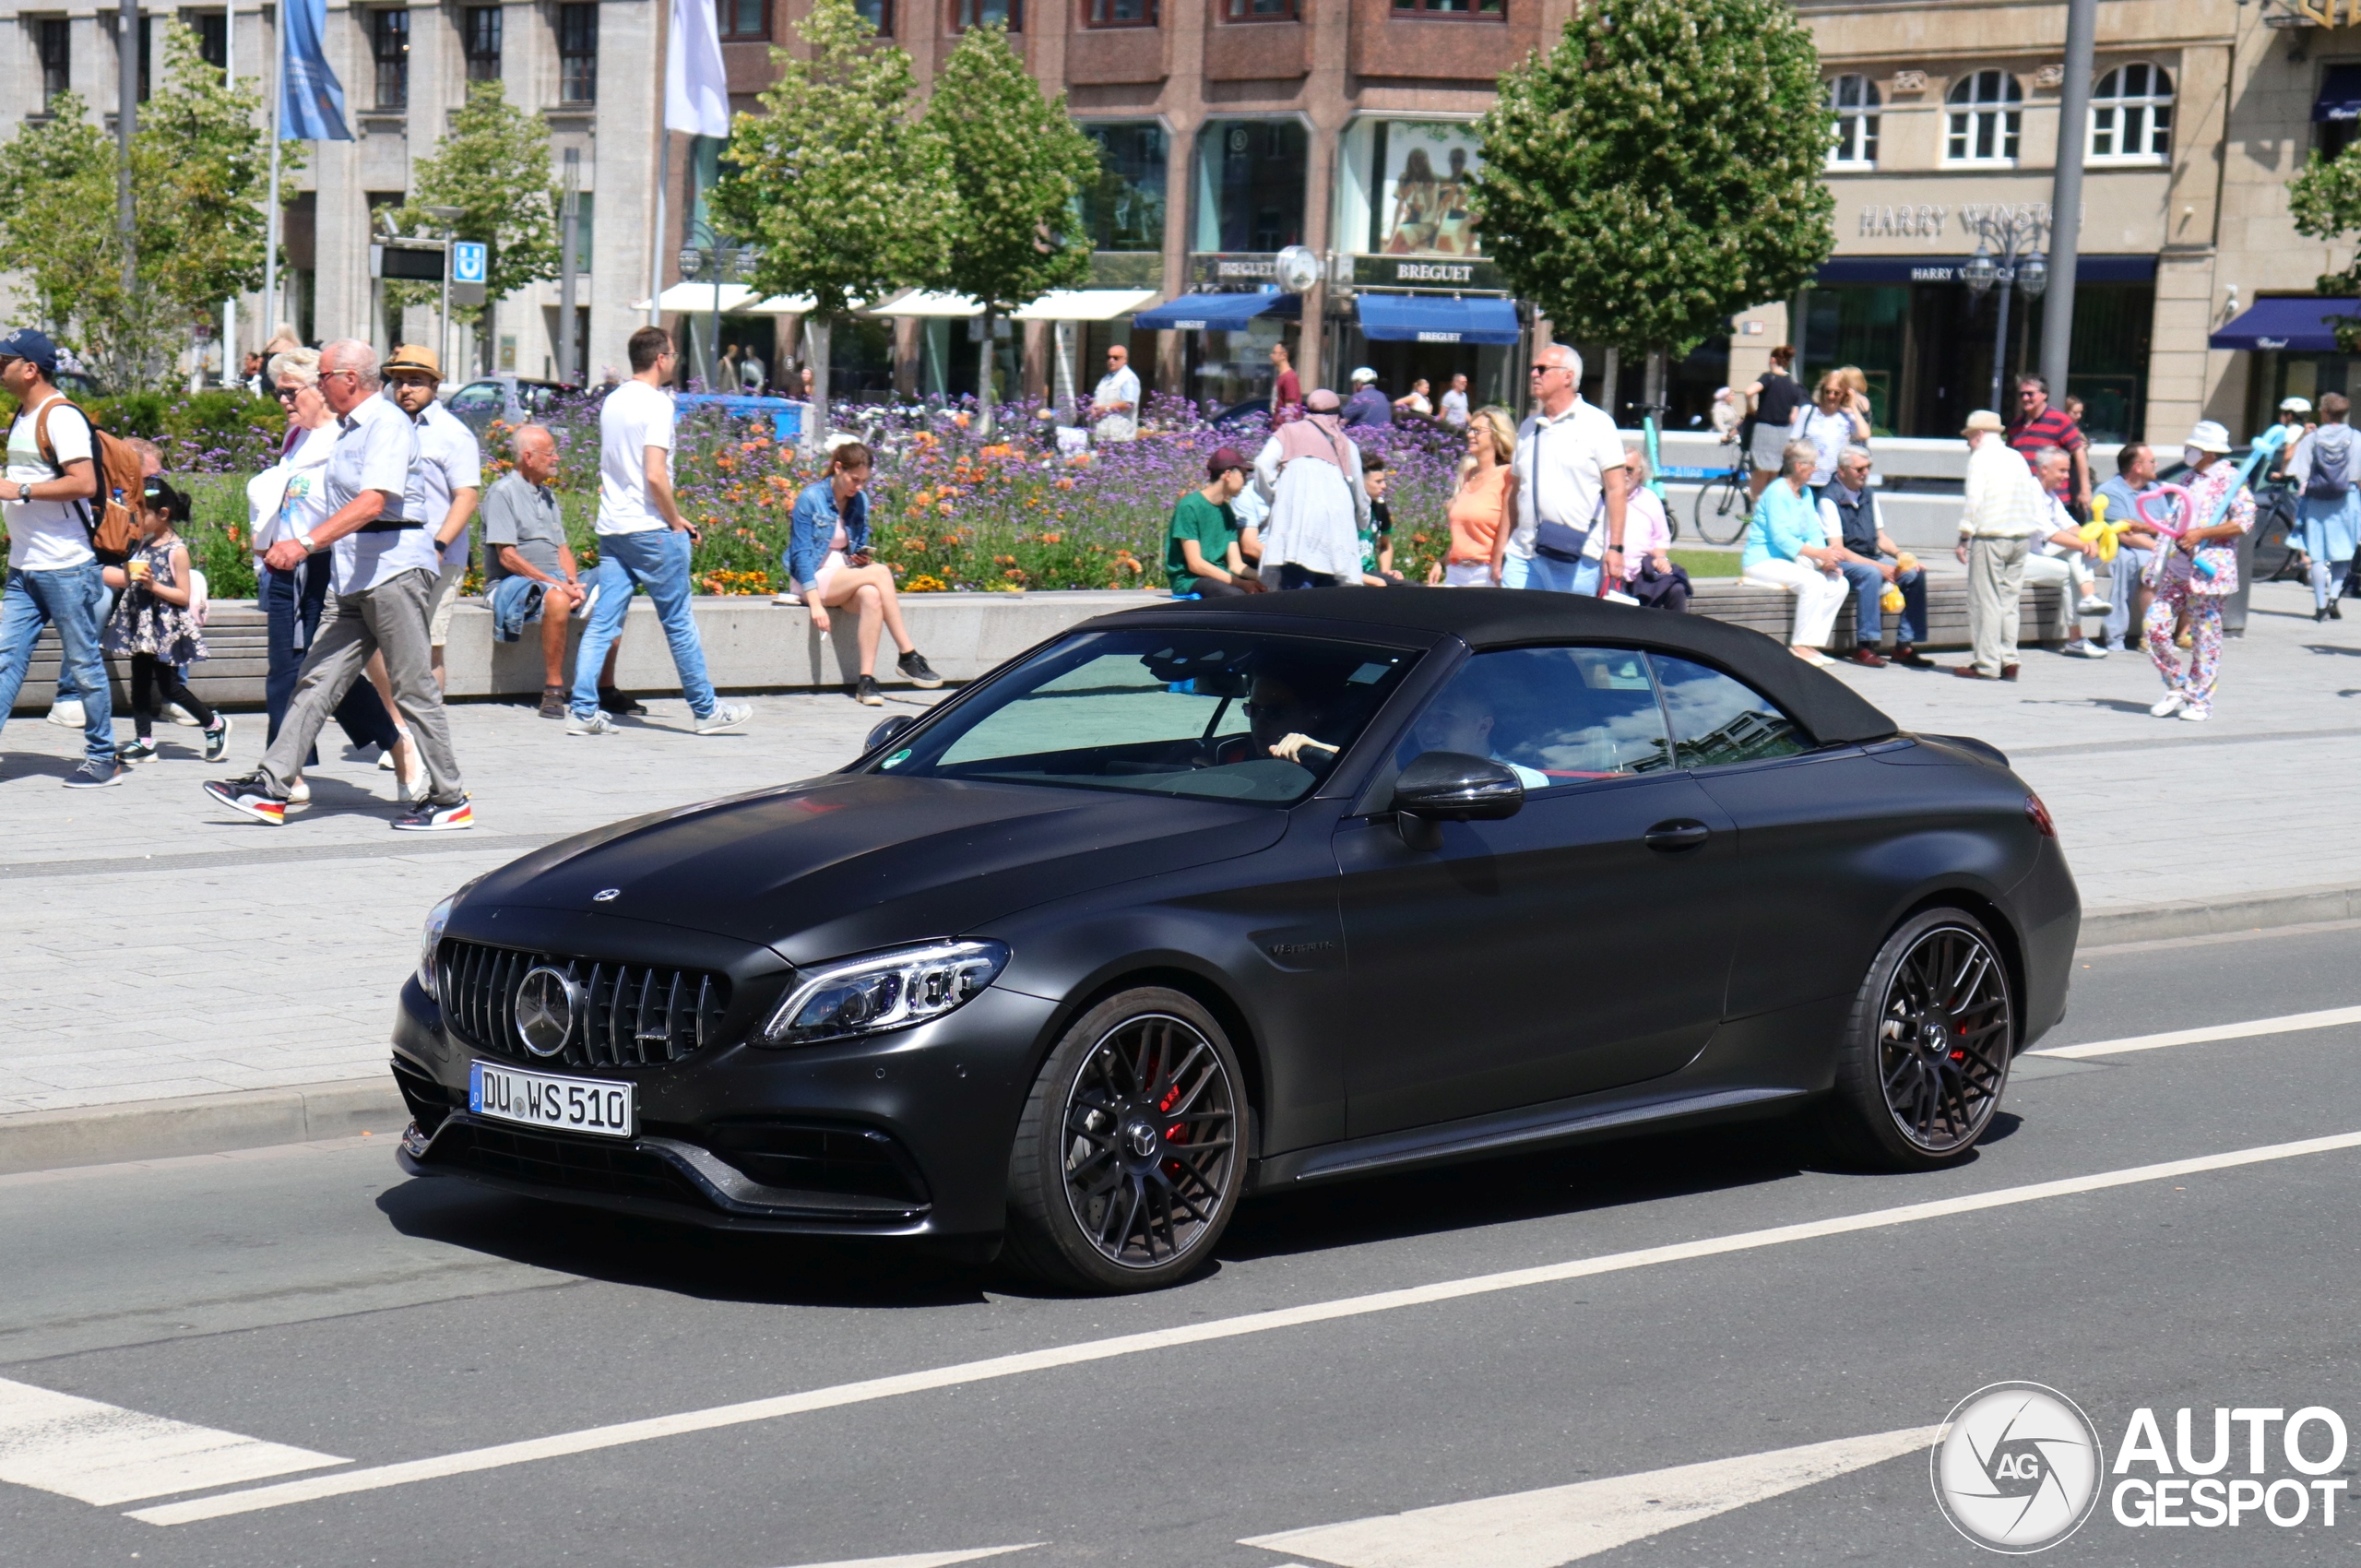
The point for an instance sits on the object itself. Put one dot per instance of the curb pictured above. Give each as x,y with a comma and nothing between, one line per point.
213,1124
2214,917
209,1124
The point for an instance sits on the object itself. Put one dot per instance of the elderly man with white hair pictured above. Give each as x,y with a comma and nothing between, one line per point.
387,566
2005,509
1570,485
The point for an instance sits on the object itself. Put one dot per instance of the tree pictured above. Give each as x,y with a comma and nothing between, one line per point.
833,181
494,164
1659,170
1020,171
200,173
2325,200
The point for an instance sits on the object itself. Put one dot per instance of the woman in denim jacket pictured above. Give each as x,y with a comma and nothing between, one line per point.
829,565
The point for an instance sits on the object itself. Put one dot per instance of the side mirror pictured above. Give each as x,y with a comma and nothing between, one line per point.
1452,787
886,731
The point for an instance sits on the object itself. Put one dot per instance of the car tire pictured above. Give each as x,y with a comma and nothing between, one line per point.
1902,1100
1130,1157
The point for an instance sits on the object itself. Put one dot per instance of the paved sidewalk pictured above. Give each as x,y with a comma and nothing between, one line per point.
151,948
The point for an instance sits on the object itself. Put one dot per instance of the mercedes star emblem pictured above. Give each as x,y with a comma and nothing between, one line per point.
548,1002
605,894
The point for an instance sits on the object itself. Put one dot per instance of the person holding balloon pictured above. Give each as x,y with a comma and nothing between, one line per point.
2195,565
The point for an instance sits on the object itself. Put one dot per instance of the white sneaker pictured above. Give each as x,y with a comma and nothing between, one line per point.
2169,704
66,713
299,792
725,717
597,724
2083,648
385,762
2093,605
2195,715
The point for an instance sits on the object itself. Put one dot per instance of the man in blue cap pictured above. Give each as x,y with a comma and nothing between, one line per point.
53,572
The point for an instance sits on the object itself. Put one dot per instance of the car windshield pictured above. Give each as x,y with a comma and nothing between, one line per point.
1216,715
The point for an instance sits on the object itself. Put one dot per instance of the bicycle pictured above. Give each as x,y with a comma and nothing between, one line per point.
1722,505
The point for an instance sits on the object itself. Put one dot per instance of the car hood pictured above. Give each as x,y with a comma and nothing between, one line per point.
856,861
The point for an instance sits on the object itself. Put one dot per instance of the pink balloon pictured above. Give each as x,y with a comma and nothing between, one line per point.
2165,525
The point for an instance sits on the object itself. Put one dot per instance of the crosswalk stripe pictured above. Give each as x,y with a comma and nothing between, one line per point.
927,1559
2288,1022
591,1439
1565,1523
103,1453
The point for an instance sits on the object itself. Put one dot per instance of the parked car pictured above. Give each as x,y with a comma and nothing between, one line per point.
1240,895
509,399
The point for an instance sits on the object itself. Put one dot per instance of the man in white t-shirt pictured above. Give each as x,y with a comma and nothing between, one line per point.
386,565
53,573
450,478
1570,485
1116,403
642,542
1454,403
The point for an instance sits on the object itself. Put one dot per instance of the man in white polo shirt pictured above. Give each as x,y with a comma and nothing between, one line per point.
1570,478
450,478
642,542
387,567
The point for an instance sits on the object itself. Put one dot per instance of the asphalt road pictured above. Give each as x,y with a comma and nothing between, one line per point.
312,1298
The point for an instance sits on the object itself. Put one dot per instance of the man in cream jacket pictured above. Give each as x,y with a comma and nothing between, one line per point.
2004,511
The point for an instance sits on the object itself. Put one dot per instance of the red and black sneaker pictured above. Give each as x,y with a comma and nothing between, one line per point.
250,796
428,817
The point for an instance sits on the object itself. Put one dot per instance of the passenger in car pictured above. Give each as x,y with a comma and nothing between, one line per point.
1462,719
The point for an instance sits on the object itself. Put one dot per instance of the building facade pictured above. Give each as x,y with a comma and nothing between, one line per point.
581,64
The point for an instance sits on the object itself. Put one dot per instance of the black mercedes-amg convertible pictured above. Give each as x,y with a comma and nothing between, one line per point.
1216,898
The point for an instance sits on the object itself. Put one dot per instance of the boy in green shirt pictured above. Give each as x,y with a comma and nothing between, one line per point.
1201,548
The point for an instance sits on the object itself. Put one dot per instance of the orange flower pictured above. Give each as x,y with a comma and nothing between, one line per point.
1053,538
1004,560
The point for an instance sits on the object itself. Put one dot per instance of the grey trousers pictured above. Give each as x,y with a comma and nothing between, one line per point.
1995,578
391,619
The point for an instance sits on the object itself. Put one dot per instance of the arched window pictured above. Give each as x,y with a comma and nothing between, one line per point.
1855,100
2131,113
1984,114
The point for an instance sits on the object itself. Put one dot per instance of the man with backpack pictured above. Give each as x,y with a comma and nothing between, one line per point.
2326,466
55,508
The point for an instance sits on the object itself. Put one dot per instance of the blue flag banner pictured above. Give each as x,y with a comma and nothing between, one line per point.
310,101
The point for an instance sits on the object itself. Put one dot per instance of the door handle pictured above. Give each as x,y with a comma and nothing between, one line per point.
1669,837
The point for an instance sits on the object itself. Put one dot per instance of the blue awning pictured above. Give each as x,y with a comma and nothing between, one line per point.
1216,313
1435,318
1946,270
2299,321
2340,96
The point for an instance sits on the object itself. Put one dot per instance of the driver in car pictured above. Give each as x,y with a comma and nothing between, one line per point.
1461,720
1289,708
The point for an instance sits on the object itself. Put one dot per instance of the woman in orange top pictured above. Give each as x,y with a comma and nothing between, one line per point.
1487,500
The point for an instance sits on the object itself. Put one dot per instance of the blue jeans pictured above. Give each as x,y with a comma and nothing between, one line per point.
1550,577
1869,616
292,604
69,598
657,559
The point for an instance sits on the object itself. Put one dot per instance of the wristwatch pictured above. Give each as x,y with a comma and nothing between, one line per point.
305,541
24,490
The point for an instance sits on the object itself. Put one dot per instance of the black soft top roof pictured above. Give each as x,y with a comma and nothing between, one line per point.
1832,711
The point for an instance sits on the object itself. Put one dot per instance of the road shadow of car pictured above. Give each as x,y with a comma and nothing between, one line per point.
685,1260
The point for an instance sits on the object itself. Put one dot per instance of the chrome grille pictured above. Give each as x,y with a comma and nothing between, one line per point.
635,1014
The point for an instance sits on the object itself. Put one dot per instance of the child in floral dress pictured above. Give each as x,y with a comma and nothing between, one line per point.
2194,573
154,623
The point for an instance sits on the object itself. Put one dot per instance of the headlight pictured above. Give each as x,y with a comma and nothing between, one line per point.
430,939
886,990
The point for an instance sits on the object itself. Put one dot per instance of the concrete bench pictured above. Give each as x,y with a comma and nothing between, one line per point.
752,644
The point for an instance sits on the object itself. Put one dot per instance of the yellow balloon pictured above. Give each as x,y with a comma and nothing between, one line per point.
2101,533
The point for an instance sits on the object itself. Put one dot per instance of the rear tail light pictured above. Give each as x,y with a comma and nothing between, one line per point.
2038,814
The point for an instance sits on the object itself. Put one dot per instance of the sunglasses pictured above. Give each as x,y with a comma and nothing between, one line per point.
286,393
1546,369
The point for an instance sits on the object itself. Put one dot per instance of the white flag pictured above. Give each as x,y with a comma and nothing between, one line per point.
696,95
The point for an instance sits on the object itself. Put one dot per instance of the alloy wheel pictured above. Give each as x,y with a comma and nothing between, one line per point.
1150,1130
1943,1039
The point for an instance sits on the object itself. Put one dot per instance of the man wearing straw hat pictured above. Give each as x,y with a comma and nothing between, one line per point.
2005,505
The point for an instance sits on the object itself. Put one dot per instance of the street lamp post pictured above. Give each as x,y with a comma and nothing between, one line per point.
723,261
2016,233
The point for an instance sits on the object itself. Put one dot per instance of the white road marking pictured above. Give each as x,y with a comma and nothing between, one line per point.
2288,1022
593,1438
928,1558
103,1453
1565,1523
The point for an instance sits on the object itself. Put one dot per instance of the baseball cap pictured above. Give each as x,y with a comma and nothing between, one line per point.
1224,459
30,343
1364,373
415,357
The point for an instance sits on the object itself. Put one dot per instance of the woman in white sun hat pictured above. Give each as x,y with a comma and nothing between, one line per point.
2195,572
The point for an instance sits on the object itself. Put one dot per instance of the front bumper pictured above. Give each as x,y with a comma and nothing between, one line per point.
905,1135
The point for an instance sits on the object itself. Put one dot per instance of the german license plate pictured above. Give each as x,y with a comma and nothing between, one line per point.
541,1100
